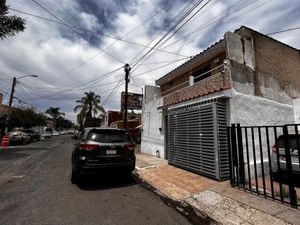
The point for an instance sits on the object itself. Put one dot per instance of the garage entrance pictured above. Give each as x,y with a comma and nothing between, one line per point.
197,138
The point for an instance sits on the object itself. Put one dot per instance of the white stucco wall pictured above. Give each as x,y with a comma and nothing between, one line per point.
297,110
257,111
152,120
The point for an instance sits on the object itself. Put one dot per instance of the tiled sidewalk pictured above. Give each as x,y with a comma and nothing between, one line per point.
218,200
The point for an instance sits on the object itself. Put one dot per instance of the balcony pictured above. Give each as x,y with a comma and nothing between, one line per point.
214,83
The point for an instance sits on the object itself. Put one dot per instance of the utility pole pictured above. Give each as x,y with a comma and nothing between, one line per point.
11,99
127,70
9,105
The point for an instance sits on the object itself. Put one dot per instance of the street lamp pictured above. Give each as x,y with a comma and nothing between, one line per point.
12,96
127,70
28,75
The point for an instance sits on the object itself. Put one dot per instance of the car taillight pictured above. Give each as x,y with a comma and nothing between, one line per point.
129,147
87,147
274,149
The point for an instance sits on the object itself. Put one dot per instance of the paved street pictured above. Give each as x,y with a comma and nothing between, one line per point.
35,188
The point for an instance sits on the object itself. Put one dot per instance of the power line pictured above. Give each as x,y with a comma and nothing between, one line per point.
83,86
177,29
282,31
143,59
136,75
216,19
132,60
113,91
118,39
97,33
94,56
162,62
74,30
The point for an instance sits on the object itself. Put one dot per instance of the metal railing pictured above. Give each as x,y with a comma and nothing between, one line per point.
265,160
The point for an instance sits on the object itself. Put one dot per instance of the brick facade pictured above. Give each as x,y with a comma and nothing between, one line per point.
3,109
259,66
216,82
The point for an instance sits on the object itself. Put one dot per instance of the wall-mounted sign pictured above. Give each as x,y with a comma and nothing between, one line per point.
134,101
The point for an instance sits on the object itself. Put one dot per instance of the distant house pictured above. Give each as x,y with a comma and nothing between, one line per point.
246,77
3,108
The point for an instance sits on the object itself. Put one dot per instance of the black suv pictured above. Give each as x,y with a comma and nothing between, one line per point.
101,150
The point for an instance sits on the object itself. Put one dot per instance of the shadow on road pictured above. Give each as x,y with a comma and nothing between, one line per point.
105,181
8,155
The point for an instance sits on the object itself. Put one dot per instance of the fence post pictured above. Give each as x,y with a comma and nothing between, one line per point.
241,155
292,191
234,162
229,155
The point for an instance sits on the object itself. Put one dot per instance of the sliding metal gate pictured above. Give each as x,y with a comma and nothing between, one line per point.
198,139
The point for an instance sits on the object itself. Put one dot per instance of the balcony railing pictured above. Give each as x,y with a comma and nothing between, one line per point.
214,83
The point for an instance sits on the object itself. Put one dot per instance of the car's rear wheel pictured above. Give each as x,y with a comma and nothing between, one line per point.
75,176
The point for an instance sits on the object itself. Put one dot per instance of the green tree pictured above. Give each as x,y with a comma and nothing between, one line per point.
55,114
64,123
89,106
9,25
26,118
80,118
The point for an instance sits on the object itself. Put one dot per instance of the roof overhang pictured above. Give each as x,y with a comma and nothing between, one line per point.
214,50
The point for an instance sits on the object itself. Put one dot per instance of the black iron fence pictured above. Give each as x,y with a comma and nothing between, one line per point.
265,160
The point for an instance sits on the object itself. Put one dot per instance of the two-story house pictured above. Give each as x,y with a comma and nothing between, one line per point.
246,77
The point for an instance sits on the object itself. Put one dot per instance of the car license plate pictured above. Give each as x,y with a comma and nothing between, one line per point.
111,152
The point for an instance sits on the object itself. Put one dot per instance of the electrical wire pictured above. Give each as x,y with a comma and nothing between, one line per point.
113,91
117,38
97,33
283,31
170,30
75,89
136,75
216,19
162,62
144,59
74,30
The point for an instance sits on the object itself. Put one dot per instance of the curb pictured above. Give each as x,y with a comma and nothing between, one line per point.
192,214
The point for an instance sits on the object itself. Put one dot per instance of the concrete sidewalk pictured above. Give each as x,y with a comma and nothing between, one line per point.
216,200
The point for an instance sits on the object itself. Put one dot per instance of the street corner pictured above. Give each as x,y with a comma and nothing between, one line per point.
230,212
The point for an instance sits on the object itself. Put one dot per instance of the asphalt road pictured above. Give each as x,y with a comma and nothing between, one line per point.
35,188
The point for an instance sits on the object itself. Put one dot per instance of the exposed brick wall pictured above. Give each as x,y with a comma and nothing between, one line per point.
214,83
3,109
277,61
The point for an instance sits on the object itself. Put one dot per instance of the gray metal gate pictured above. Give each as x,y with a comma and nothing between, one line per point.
198,139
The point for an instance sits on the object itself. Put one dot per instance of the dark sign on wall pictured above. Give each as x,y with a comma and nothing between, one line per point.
135,101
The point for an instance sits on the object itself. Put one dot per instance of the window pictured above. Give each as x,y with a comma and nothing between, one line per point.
202,73
108,136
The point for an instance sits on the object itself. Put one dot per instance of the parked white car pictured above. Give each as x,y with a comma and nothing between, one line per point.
46,134
18,137
55,133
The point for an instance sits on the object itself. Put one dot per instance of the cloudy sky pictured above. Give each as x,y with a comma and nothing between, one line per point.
81,45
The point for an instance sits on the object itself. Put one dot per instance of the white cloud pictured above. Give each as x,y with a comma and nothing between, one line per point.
88,20
52,51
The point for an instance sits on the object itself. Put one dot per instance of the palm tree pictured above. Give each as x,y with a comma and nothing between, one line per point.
55,115
89,105
10,25
80,119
